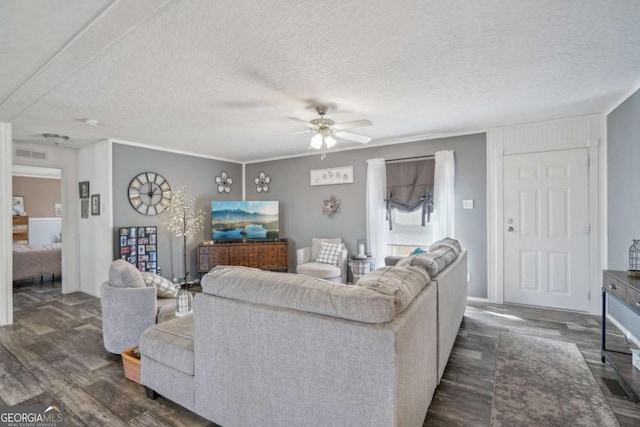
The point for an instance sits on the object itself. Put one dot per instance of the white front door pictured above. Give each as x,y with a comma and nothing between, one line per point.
546,238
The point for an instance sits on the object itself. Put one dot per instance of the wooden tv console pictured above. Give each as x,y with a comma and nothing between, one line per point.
267,255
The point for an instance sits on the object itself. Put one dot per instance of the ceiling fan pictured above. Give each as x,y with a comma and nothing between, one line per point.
324,130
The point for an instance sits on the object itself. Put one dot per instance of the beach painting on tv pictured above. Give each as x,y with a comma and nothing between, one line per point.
238,220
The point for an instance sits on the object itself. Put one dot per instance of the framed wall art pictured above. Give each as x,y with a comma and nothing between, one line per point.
84,208
139,246
331,176
83,189
95,204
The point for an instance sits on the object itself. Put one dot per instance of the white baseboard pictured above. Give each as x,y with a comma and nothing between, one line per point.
478,299
624,330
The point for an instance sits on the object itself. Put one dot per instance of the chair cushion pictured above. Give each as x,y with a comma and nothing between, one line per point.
316,242
447,242
319,270
166,309
170,343
125,275
434,262
166,289
329,253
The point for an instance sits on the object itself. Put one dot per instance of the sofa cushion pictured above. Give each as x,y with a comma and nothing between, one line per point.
319,270
447,242
330,253
391,260
166,289
299,292
404,284
316,242
124,275
434,262
170,343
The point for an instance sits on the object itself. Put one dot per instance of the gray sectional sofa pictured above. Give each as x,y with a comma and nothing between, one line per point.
279,349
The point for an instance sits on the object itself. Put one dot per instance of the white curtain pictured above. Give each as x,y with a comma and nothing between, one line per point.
376,209
443,192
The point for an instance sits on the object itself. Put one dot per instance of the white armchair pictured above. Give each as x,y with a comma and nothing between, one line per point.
307,265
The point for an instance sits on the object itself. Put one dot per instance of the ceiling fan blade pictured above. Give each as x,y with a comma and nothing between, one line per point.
354,124
353,137
309,125
299,133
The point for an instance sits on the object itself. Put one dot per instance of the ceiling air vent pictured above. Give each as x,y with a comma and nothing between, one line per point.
31,154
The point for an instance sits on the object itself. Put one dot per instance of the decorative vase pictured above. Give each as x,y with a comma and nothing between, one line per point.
184,302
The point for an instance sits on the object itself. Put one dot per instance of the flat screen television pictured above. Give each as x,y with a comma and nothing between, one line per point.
238,220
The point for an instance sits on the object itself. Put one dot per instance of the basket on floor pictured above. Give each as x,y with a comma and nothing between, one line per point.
131,364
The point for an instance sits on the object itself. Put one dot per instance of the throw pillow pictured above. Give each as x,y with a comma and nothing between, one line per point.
417,251
447,242
316,242
329,253
124,275
165,288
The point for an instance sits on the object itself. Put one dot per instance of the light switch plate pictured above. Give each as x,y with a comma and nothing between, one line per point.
467,204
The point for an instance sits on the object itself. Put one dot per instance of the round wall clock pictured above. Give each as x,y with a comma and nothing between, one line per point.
149,193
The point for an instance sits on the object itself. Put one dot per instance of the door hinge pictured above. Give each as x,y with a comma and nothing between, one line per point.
588,295
588,228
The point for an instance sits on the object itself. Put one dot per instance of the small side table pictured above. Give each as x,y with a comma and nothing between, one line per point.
361,266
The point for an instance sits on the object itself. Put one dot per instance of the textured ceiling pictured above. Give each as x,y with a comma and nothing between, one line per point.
220,78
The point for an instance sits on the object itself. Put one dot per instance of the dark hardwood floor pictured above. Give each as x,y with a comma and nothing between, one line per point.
53,354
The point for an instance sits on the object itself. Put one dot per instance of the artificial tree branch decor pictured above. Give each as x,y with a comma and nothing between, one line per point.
184,220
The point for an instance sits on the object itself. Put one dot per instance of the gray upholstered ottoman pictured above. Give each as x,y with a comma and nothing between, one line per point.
167,359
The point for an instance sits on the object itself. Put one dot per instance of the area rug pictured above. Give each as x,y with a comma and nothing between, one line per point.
542,382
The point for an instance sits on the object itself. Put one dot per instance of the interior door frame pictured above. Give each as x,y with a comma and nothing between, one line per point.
59,158
565,134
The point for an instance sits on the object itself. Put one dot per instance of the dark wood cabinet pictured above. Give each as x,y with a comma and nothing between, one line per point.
263,255
625,289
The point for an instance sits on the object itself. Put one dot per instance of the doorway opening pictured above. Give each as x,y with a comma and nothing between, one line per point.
37,233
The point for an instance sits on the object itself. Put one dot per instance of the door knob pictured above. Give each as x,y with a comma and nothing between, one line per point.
509,229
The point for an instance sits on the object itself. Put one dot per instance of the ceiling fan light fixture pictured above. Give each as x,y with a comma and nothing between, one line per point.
324,130
55,138
329,141
316,141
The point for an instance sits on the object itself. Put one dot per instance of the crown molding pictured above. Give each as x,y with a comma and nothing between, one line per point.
384,142
622,100
172,150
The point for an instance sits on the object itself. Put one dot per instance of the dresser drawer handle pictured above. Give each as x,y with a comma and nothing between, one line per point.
612,286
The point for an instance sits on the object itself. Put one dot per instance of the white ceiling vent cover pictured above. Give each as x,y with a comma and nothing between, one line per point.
31,154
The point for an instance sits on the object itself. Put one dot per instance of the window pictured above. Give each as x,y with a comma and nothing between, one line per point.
409,204
408,233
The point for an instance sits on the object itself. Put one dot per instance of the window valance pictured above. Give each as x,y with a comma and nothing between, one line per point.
410,187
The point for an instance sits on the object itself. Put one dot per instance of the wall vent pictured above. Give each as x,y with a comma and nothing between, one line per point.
31,154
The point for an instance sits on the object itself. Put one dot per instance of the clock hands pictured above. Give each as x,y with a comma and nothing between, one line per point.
152,193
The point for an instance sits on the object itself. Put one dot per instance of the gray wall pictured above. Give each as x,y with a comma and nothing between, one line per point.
301,216
623,204
196,173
